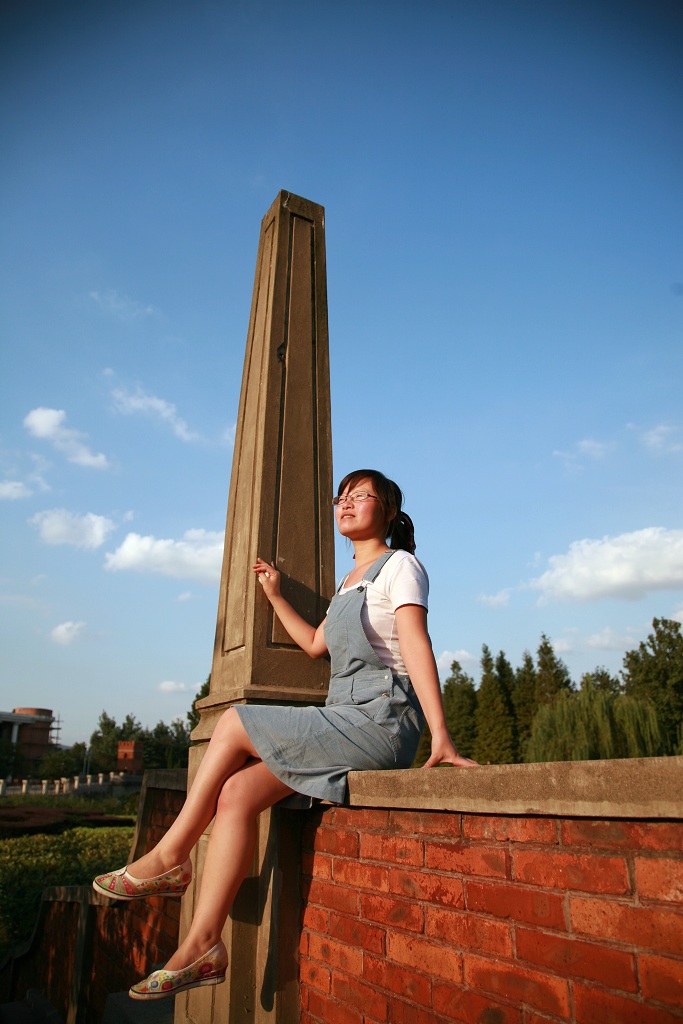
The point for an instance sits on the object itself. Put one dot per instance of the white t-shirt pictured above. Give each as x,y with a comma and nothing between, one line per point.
401,580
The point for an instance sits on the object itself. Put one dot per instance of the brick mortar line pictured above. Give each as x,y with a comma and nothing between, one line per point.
465,876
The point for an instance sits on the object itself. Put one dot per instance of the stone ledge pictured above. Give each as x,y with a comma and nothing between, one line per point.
647,787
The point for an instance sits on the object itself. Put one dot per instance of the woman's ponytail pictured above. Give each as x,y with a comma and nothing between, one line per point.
402,533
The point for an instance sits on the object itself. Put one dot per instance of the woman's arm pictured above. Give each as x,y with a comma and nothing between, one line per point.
309,639
416,651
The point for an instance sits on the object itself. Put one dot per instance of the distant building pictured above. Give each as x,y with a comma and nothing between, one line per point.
129,757
28,731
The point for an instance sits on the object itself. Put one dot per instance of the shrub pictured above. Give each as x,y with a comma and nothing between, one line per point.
29,864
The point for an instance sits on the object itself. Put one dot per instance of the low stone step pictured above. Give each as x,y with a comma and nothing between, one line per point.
34,1009
121,1009
19,1013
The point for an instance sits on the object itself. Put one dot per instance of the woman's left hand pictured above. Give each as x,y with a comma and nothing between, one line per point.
268,577
444,752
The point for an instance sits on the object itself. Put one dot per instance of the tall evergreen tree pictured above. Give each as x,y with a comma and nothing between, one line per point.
460,706
506,674
524,701
506,678
459,702
552,675
655,671
495,721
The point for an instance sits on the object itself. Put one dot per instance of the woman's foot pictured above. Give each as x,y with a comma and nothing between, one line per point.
191,949
125,885
208,969
155,862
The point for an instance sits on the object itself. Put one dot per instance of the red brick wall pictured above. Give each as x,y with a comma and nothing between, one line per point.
417,917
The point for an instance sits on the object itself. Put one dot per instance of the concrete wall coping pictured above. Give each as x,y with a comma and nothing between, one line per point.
647,787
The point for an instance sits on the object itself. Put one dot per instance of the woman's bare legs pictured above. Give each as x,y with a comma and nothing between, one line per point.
248,791
229,749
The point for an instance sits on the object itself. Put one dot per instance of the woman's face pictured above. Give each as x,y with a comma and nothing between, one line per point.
361,520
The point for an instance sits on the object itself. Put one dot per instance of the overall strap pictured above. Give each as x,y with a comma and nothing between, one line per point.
370,576
376,567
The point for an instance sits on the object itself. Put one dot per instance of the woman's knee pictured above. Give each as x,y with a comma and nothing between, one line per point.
227,723
236,796
229,729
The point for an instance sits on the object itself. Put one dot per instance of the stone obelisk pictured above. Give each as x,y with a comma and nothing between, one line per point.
279,507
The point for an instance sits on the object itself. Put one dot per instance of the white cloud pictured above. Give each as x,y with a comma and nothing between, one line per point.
588,448
628,566
663,438
186,595
499,600
608,639
168,686
58,526
130,403
48,425
229,435
446,659
594,449
67,633
12,490
121,306
197,556
678,616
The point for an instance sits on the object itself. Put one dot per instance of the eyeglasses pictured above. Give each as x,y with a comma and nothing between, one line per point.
341,499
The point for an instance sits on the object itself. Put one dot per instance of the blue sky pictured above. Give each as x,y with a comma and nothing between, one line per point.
503,186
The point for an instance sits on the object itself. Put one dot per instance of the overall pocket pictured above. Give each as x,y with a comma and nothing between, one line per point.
366,687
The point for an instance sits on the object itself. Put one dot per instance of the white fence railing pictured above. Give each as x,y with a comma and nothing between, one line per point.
62,787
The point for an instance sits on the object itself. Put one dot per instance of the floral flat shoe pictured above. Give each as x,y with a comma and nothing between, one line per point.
208,970
120,885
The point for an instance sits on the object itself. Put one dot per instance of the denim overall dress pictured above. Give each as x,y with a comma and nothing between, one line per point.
371,719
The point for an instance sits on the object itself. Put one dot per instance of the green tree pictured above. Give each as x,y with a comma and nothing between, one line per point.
524,700
506,678
63,764
12,763
552,675
601,679
495,720
459,703
591,724
424,749
193,714
166,746
655,672
506,674
460,706
104,742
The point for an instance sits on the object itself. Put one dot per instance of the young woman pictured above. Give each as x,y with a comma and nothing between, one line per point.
384,685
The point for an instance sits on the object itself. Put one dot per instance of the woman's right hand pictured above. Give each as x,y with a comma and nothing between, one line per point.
444,752
268,577
309,639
